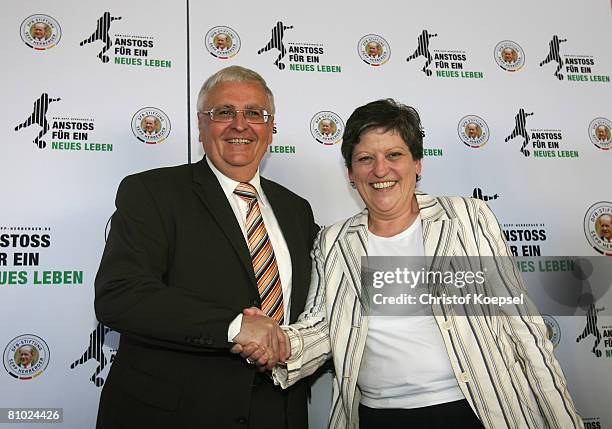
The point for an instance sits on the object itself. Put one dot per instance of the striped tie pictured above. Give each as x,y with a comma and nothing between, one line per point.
262,255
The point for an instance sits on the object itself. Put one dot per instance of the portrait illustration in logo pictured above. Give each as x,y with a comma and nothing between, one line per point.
473,131
520,123
553,330
151,125
509,55
101,33
600,133
276,42
39,117
422,50
598,227
327,128
373,50
222,42
555,55
26,357
95,351
40,32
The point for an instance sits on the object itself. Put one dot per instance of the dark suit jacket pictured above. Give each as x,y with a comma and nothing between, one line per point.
175,272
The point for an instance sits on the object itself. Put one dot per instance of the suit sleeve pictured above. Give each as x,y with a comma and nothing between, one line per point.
536,369
131,294
309,336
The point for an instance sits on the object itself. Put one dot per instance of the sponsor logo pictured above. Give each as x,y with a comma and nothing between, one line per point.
67,133
26,357
21,248
509,55
600,133
151,125
477,193
591,327
546,143
40,32
525,239
280,148
373,50
598,227
39,117
127,49
447,63
327,128
98,351
222,42
473,131
579,68
592,423
553,330
303,56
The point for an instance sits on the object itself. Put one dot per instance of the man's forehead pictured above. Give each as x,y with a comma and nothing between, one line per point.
238,94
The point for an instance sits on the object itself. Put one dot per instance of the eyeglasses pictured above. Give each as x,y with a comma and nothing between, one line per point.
228,114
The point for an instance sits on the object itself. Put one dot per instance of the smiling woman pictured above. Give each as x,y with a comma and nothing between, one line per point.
494,370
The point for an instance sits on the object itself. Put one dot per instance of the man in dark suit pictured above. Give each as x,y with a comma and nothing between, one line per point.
178,269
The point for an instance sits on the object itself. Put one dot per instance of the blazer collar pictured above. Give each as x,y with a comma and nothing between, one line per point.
440,231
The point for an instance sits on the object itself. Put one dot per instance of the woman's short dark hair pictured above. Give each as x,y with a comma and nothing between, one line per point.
386,115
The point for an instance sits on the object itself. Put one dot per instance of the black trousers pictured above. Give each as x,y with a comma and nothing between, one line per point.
457,414
268,405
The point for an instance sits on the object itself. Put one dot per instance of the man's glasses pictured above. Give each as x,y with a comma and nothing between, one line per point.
228,114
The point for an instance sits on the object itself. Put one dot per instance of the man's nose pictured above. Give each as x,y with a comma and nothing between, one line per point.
239,122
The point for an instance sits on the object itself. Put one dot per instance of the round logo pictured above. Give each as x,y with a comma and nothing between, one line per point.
598,227
151,125
327,128
509,55
373,50
600,133
473,131
222,42
26,357
40,32
553,330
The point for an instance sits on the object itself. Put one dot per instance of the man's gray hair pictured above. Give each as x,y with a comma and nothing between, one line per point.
232,74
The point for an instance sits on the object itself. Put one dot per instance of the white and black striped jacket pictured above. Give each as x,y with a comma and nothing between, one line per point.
503,363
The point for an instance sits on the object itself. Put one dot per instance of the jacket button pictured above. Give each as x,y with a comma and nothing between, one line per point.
241,420
256,303
464,377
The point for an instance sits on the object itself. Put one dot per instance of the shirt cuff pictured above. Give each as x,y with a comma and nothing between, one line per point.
234,328
296,342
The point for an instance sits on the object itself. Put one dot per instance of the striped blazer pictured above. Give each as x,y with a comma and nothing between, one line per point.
504,364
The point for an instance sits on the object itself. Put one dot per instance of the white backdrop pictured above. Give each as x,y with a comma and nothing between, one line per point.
62,194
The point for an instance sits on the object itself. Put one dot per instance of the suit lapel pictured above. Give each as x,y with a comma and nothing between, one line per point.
208,189
354,246
439,232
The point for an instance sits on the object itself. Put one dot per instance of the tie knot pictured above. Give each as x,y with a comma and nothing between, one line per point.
246,191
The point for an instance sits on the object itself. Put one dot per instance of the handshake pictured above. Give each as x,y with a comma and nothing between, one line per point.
261,341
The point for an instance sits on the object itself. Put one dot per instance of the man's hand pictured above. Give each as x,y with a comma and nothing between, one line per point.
261,340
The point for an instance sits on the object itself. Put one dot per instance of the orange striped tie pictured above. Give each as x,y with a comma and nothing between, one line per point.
262,255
